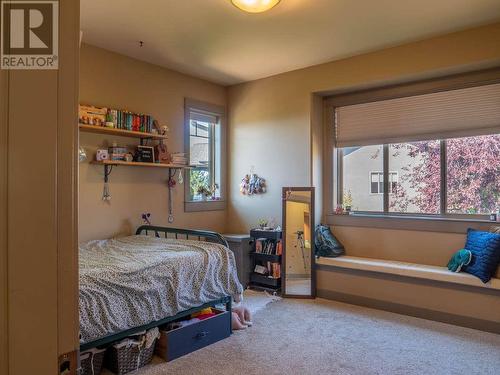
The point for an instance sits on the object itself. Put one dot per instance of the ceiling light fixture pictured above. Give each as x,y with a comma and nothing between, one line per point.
255,6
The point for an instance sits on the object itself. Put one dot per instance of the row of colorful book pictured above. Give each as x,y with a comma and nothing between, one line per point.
132,121
119,119
267,246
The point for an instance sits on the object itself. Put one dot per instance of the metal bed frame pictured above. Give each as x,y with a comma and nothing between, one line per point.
200,235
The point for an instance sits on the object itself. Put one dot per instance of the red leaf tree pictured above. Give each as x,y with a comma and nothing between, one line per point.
473,176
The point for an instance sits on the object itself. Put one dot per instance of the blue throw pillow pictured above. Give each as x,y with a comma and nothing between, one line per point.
485,248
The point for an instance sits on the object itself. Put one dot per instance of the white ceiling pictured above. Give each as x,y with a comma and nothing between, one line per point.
214,40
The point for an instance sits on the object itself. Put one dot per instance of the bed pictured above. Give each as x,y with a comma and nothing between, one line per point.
134,283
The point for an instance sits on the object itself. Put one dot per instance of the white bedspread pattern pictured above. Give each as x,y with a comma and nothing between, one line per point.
132,281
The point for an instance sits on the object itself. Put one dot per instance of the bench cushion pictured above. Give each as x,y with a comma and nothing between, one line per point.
419,271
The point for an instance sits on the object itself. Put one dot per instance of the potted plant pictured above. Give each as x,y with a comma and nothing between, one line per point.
263,224
347,200
204,192
213,191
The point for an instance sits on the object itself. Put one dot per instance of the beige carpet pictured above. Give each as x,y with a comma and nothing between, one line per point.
324,337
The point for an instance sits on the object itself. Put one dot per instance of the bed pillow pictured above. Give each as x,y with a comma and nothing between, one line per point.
485,248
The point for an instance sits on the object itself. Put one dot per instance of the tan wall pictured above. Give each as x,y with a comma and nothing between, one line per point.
38,268
432,248
110,79
270,119
273,125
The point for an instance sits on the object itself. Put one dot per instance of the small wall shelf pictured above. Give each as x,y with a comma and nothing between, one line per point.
119,132
109,164
138,164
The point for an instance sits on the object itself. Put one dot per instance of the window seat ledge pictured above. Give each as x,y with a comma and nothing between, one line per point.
419,271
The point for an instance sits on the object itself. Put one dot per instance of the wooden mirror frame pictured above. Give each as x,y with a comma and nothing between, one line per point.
312,295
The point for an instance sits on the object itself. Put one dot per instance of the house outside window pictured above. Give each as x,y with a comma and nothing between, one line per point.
470,166
204,146
377,182
428,148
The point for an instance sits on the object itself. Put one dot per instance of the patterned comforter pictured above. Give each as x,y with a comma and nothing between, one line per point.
132,281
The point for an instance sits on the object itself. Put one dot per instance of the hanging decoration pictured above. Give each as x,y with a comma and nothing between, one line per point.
181,177
171,184
106,195
82,154
146,218
252,184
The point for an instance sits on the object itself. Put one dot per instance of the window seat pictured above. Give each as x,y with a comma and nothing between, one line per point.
419,271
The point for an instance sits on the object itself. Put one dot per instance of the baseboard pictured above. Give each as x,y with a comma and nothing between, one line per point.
298,276
418,312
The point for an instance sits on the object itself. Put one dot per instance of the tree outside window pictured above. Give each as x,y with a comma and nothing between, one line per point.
204,156
471,168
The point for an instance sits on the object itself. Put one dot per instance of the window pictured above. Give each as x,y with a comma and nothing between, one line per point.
470,167
473,174
429,147
204,131
419,188
203,157
377,182
357,164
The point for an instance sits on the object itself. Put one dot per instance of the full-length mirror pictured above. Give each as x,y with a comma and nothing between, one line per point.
298,242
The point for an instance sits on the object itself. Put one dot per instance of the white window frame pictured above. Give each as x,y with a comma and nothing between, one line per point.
193,105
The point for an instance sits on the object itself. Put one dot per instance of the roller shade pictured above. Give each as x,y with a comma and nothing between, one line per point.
203,117
456,113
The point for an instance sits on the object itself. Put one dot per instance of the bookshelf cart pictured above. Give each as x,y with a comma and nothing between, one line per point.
265,255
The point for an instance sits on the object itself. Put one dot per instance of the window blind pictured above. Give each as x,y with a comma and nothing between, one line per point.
455,113
203,117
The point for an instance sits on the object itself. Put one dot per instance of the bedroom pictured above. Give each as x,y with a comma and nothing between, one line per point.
258,94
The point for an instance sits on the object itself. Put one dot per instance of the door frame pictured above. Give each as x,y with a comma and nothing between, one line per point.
39,210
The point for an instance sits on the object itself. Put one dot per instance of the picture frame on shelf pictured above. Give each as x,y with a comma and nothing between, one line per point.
144,154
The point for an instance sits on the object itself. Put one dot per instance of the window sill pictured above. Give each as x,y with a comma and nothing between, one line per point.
408,222
199,206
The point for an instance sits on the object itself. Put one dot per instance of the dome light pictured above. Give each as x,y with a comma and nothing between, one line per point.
255,6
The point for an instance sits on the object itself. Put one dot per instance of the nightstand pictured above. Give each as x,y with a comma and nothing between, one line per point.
241,246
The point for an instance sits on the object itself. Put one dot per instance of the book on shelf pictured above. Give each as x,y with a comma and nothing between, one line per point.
121,119
132,121
276,270
279,248
269,247
269,269
258,246
179,158
260,269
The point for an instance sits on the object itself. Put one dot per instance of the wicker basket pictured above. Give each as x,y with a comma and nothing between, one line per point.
132,353
91,362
